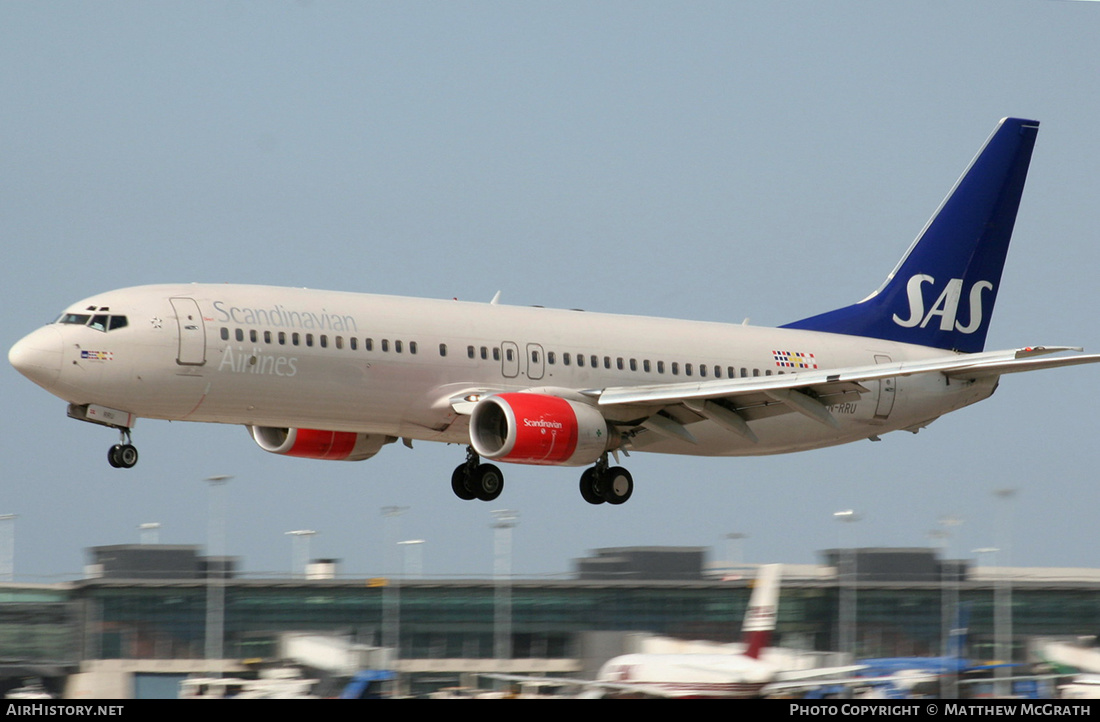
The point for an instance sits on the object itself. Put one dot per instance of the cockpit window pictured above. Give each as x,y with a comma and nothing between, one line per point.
100,322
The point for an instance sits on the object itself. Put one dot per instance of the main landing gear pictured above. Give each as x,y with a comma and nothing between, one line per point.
599,484
602,483
474,480
124,454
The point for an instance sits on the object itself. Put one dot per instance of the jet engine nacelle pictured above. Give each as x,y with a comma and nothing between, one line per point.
526,428
318,444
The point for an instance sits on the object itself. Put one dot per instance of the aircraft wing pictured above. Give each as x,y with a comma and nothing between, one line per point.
733,402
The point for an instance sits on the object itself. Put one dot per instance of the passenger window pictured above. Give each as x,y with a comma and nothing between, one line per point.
240,334
253,335
225,333
353,343
645,365
398,346
443,349
282,338
368,344
580,359
295,338
496,353
675,368
633,364
412,347
619,363
385,345
660,367
267,337
484,353
339,342
309,340
565,359
470,352
551,358
703,370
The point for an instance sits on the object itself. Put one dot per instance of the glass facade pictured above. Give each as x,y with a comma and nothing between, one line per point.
118,619
37,623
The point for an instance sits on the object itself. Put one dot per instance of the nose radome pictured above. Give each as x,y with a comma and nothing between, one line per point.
38,356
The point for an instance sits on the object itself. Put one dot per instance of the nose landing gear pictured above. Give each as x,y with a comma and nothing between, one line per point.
123,455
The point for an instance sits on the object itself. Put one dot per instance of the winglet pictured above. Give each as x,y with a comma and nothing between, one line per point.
941,293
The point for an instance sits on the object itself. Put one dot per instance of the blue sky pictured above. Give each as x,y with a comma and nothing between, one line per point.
706,160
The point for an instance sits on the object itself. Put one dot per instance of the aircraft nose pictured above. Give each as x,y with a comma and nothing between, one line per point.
38,356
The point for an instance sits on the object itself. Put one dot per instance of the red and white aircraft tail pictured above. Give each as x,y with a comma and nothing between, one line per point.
763,610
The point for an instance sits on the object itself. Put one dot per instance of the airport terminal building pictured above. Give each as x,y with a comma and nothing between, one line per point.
137,624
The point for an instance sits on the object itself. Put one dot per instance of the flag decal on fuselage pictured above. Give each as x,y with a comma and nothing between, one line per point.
794,360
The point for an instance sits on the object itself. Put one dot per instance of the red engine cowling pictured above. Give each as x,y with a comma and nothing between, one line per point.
528,428
318,444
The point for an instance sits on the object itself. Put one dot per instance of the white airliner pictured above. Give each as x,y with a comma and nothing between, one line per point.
709,675
752,672
328,375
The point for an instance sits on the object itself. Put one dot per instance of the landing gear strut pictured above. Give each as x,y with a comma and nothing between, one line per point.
601,483
474,480
123,455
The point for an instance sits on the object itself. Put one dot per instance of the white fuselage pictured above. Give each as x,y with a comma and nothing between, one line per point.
287,357
687,675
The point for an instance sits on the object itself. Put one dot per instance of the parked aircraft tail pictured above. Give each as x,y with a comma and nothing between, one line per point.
763,608
941,293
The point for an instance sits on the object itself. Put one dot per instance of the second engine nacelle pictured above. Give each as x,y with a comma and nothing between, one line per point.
526,428
318,444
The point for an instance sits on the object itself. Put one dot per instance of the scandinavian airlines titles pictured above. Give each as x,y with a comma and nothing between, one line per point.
280,317
258,362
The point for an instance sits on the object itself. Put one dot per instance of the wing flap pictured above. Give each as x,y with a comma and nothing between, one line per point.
826,385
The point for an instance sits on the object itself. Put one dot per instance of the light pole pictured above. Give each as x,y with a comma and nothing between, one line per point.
299,550
1002,608
504,520
149,532
7,547
847,582
949,601
733,552
391,593
215,573
412,565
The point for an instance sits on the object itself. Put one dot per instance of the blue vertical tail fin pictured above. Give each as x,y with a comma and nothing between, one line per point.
957,635
941,293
